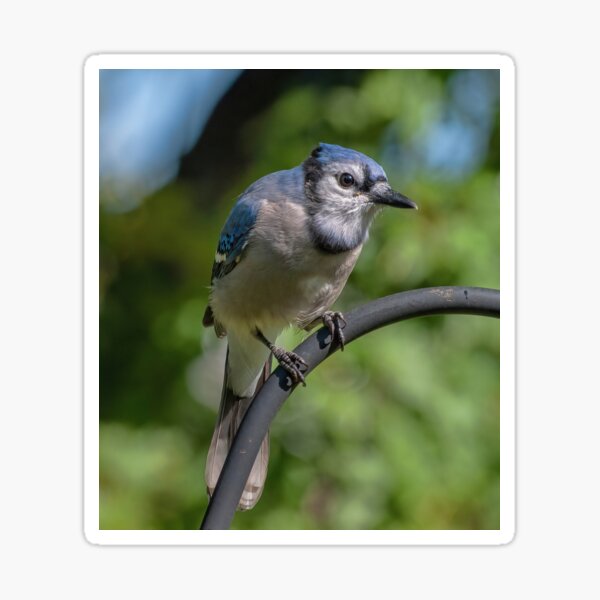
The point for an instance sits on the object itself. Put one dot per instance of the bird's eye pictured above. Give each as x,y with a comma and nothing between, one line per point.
346,180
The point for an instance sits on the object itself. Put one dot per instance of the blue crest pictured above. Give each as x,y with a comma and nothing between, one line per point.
330,153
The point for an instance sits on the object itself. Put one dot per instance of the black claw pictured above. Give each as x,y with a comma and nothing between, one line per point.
291,362
335,322
297,358
341,338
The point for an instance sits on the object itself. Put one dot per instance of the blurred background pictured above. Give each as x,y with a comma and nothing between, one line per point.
401,431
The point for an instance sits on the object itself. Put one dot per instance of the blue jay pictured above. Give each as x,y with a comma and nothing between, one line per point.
283,258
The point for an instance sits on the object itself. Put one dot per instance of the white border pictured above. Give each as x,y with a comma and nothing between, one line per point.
91,295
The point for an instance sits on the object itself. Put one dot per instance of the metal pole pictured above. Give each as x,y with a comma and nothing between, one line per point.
315,349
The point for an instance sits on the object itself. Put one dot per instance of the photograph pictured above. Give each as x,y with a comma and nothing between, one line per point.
293,278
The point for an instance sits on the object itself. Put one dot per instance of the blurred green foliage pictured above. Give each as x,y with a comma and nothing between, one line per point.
401,431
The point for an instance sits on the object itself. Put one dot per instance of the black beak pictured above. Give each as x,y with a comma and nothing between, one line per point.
391,198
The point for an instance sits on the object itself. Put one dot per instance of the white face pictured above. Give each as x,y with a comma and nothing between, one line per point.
344,209
341,184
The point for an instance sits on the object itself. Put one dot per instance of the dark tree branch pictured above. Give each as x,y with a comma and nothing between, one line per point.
315,349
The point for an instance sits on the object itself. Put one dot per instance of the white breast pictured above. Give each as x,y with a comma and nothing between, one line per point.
281,279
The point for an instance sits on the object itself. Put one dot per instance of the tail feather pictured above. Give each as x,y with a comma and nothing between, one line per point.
231,412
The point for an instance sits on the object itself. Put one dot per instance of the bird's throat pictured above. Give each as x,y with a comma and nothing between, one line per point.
337,233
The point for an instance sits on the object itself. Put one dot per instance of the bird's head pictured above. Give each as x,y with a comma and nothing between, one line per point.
345,189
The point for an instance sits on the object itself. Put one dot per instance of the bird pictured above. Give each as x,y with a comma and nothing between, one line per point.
283,258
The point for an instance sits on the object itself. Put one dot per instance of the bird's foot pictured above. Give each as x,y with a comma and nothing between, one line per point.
335,322
291,362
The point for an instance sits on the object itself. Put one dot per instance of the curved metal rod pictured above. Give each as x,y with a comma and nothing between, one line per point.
314,350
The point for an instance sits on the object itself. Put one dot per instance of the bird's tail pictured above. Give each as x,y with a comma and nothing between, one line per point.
231,412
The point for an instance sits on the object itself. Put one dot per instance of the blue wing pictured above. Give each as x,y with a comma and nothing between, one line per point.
234,237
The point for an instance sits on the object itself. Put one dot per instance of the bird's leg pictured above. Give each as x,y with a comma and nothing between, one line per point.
335,322
290,361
